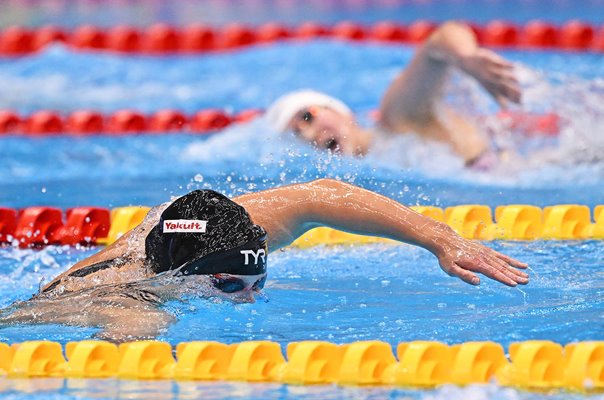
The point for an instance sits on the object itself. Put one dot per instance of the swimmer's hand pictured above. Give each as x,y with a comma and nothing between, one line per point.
462,258
494,73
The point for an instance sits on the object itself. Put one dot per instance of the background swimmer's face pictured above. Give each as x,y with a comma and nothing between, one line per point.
329,129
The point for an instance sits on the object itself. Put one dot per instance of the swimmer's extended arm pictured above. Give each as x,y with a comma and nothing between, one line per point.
412,102
287,212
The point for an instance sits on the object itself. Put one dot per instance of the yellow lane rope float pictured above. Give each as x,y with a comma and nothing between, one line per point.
536,364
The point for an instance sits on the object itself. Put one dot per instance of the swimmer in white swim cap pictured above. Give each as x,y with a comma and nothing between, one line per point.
320,119
412,103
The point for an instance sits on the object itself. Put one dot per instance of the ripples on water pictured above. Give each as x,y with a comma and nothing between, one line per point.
344,294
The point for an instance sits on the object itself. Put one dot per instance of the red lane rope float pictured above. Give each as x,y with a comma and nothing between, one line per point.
500,33
40,226
87,122
8,224
165,39
9,121
532,124
387,31
540,34
420,30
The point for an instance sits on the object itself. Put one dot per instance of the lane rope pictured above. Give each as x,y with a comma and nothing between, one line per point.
212,120
535,364
121,122
165,39
41,226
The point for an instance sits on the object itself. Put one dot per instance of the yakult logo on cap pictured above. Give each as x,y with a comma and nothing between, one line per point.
184,226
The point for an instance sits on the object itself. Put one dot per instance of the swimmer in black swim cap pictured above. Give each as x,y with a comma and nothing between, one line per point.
205,233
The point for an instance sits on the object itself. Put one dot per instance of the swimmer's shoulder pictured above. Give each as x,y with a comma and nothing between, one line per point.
127,250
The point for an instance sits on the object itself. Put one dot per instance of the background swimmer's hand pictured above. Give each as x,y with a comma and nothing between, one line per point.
462,258
494,73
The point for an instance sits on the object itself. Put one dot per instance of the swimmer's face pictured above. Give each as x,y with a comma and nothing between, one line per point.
239,288
328,129
230,283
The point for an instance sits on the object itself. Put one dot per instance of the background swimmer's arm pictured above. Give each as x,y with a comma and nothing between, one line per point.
413,100
287,212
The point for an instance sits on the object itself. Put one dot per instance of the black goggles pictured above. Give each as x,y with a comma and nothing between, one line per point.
234,283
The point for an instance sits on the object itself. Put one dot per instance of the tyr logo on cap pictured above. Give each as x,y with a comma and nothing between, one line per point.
184,226
260,253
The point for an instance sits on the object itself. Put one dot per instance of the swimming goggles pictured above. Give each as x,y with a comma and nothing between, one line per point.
234,283
305,117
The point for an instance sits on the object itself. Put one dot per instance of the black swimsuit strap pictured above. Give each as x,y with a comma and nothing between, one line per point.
87,270
92,268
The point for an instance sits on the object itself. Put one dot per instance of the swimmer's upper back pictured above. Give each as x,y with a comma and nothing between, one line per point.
127,251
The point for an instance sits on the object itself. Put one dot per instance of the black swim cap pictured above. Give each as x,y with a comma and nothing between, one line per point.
205,233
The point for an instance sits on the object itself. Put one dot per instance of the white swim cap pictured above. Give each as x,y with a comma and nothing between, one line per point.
285,107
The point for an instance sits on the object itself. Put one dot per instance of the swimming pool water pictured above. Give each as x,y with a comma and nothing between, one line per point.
386,292
217,12
146,169
345,294
340,294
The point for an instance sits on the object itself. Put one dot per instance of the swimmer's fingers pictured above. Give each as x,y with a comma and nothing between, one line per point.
499,97
502,263
499,79
452,269
512,91
489,269
495,59
512,261
509,81
503,93
506,85
499,66
508,76
463,258
511,272
501,101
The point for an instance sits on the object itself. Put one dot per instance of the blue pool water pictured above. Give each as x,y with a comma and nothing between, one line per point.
217,12
341,294
146,169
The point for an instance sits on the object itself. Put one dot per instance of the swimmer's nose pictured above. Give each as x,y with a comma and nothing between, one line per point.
249,295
